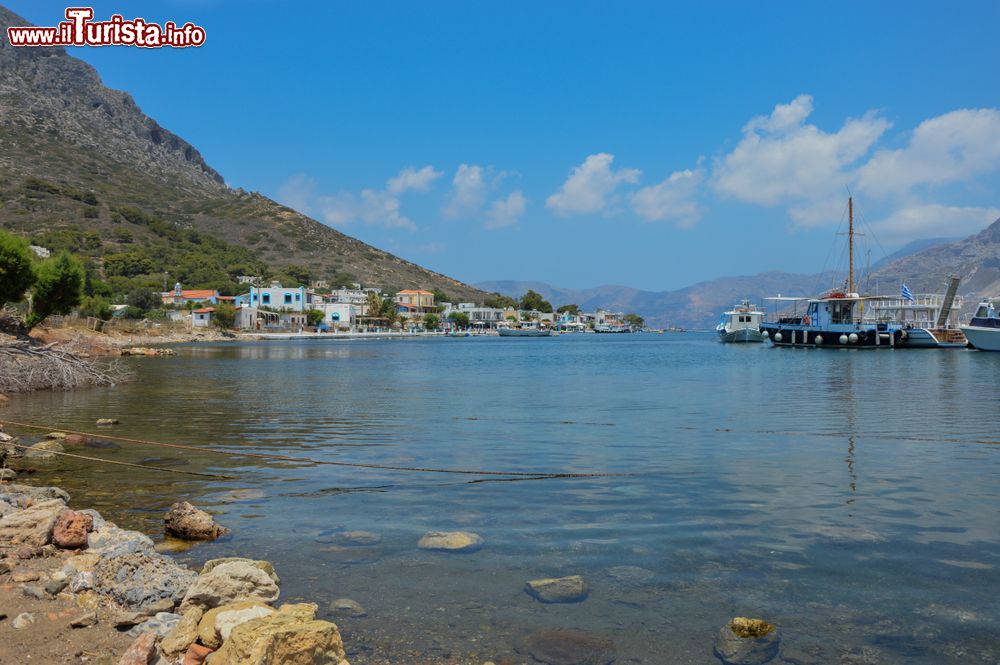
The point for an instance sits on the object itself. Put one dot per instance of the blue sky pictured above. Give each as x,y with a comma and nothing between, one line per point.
648,144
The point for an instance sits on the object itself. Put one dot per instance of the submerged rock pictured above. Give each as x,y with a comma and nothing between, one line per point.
104,422
228,582
451,541
44,450
348,608
185,521
572,589
567,647
630,576
356,538
745,641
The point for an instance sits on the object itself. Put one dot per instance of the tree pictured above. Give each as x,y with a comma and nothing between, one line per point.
533,300
314,317
460,319
373,304
16,272
440,297
145,300
389,312
431,321
224,315
299,274
499,302
634,320
95,306
127,264
570,309
58,288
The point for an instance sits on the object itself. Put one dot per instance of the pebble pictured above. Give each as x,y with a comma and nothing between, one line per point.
451,541
159,625
26,576
24,620
347,607
8,474
103,422
85,620
570,589
141,652
35,592
56,585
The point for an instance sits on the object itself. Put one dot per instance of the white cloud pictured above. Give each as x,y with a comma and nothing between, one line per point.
933,221
338,209
782,159
468,193
589,185
297,193
432,247
956,146
506,211
413,179
672,199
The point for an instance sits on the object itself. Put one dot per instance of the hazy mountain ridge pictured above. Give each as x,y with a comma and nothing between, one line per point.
60,125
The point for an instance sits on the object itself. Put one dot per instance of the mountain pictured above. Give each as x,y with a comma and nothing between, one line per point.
925,266
83,168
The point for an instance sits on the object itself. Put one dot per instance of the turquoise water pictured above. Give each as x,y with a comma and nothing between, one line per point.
851,498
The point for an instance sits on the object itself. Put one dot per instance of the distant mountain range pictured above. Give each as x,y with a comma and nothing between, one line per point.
924,265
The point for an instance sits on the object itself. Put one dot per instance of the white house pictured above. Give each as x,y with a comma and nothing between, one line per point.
337,314
279,298
202,318
479,316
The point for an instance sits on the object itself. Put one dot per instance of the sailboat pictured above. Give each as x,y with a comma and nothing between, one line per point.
834,319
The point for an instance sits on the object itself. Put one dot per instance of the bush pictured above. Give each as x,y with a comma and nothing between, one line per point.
144,299
132,312
314,317
431,321
58,288
96,307
225,315
16,271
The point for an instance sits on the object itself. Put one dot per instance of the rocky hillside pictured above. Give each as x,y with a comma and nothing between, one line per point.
75,153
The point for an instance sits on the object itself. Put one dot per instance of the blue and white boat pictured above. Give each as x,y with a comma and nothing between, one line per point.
741,324
983,331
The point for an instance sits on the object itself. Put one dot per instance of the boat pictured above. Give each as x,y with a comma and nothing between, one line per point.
929,321
524,332
983,331
459,333
741,324
834,319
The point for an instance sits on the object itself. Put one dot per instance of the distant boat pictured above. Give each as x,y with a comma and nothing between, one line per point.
741,324
983,331
459,333
835,319
524,332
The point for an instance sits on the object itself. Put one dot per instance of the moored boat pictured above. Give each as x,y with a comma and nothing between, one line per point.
983,331
524,332
930,321
741,324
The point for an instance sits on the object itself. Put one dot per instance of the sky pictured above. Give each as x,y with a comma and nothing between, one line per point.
649,144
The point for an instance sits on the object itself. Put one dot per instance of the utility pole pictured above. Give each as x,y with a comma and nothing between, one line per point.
850,243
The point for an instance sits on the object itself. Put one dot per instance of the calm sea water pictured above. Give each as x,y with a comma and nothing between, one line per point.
851,498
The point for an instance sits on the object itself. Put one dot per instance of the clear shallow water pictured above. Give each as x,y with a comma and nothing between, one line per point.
851,498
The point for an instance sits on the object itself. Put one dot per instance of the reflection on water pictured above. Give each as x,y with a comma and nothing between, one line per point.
847,497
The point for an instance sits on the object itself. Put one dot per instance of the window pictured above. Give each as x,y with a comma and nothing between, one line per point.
288,298
267,299
298,297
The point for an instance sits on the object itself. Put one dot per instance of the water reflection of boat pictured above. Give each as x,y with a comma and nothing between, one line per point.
741,324
983,331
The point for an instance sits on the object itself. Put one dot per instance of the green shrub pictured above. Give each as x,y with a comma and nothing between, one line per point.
16,272
58,288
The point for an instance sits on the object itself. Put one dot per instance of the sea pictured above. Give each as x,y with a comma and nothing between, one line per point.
851,498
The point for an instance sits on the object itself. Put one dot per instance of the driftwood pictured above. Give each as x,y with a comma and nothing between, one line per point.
25,365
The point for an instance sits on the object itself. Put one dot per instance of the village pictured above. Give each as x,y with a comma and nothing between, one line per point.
357,309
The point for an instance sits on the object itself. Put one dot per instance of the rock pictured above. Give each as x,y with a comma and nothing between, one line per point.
196,655
161,624
162,605
290,636
25,552
745,641
35,494
451,541
99,522
141,652
4,567
185,521
75,440
567,647
44,450
85,620
357,538
35,592
139,580
82,582
23,620
630,576
111,541
105,422
183,635
266,566
348,608
56,585
31,526
208,630
3,399
227,620
228,582
126,621
572,589
7,474
26,576
71,529
56,436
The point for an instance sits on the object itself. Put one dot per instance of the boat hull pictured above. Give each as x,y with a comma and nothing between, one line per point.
809,337
982,338
742,335
925,338
514,332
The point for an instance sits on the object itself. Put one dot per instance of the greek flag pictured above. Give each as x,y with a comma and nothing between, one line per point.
907,295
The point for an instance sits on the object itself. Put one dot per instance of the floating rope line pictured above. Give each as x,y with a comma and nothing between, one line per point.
860,435
131,464
309,460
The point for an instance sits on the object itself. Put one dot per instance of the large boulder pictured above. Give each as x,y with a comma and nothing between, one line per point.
266,566
745,641
71,529
228,582
290,636
111,541
572,589
31,526
451,541
44,450
139,580
183,634
185,521
32,494
216,624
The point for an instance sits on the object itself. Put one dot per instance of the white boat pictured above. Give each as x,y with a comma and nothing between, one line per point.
524,332
929,321
983,331
741,324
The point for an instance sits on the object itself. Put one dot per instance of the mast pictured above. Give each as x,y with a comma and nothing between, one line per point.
850,243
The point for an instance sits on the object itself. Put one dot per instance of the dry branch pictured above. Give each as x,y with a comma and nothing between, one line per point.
26,366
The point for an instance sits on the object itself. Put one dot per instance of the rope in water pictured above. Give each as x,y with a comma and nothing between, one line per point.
309,460
131,464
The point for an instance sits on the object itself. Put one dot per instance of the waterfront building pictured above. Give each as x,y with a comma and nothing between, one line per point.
202,318
181,296
280,298
415,302
480,316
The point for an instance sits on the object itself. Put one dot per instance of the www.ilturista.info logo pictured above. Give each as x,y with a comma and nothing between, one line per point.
80,30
